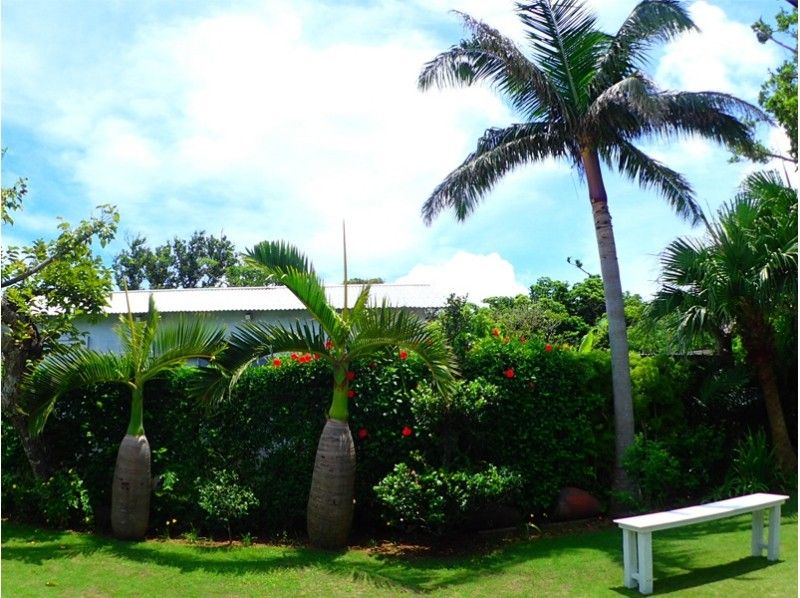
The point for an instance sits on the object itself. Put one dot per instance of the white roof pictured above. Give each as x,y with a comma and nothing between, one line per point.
216,299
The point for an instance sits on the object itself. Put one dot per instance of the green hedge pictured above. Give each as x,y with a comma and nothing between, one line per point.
540,415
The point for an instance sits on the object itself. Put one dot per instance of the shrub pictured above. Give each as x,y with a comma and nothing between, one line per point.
62,501
654,470
224,499
754,468
436,500
551,421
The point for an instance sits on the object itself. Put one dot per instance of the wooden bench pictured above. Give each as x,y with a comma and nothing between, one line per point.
637,545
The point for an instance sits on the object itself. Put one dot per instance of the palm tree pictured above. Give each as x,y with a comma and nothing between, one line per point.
148,351
340,338
584,99
742,276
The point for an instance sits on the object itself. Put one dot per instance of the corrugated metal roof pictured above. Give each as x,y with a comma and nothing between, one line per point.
218,299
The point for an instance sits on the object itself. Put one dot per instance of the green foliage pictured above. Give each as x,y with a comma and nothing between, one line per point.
659,385
778,93
201,261
654,470
551,421
453,424
62,501
462,324
754,468
49,283
223,498
437,500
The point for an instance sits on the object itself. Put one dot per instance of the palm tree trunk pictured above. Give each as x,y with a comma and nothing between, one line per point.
615,310
758,342
130,494
330,502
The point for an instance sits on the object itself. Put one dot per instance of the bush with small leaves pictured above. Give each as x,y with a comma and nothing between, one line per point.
224,499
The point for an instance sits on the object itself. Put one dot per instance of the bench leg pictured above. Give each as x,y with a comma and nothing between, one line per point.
757,538
644,545
629,558
773,546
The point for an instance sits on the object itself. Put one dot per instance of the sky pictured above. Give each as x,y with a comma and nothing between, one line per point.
279,119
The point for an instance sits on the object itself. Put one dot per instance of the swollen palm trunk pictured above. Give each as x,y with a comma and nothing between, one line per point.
330,503
130,494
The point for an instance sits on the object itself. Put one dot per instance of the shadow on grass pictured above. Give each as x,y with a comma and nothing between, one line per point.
675,554
702,576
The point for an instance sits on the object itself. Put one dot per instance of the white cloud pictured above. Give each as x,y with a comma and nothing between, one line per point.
476,276
723,56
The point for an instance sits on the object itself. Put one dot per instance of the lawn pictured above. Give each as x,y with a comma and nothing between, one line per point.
702,560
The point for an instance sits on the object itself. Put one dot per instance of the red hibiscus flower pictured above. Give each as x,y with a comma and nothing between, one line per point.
294,356
407,431
328,345
403,355
509,373
351,376
362,433
548,347
495,332
351,393
276,362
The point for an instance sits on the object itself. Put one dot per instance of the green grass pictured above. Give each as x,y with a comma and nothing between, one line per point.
702,560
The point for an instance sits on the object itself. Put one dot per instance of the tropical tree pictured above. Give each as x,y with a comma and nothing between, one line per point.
742,278
149,351
46,285
340,338
584,98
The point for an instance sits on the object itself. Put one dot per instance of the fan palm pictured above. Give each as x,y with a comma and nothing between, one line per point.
584,99
148,351
742,275
340,338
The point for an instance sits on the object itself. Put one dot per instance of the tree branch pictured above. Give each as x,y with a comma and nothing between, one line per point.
57,255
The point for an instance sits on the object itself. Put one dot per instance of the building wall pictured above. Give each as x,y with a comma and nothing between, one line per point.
101,336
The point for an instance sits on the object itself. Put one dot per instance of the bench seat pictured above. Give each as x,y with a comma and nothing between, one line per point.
637,531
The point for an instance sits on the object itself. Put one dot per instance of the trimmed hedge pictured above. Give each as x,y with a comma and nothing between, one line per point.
539,415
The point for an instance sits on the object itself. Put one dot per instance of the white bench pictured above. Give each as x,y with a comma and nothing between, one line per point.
637,545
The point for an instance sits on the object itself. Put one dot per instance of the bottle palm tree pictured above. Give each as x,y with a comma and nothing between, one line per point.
340,338
742,276
148,351
584,99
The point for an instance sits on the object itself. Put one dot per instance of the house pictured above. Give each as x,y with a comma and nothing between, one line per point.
233,305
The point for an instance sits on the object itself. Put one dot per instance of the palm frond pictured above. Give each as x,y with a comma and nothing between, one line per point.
650,22
383,326
566,45
490,56
278,257
651,173
58,373
717,116
149,331
188,338
623,106
499,151
361,303
295,271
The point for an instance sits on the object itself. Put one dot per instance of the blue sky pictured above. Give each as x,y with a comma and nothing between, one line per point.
278,119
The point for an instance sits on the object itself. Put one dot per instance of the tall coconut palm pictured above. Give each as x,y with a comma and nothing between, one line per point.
148,351
743,275
583,98
340,338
